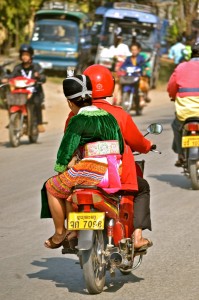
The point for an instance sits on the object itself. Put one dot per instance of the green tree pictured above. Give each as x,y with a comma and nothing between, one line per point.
15,17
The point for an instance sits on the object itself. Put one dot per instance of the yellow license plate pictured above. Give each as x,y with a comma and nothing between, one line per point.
86,220
190,141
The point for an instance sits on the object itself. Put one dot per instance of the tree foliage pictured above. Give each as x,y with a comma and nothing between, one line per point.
185,12
15,16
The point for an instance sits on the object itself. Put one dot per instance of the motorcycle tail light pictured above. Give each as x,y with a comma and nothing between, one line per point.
192,126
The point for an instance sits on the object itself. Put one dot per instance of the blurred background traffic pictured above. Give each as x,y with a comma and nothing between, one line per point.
75,34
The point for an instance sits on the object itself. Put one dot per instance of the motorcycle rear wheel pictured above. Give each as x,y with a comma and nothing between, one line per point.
32,121
194,175
94,268
15,129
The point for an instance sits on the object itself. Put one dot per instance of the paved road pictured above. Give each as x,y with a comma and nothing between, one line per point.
28,271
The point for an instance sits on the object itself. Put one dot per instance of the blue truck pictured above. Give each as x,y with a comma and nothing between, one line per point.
137,22
61,37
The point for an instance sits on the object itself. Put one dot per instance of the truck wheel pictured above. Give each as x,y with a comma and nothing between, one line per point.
94,268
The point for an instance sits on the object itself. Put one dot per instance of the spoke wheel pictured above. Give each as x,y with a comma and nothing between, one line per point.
32,124
15,129
94,268
194,174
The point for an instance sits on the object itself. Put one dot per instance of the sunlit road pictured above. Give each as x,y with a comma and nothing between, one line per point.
29,271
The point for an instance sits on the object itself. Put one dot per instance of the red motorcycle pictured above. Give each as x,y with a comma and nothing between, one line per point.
22,115
105,231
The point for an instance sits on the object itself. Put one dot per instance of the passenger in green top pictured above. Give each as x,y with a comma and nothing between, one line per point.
90,124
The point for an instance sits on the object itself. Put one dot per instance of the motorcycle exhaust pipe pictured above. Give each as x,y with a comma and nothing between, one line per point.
116,258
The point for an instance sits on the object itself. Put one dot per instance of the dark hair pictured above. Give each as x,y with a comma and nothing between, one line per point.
195,50
136,44
79,94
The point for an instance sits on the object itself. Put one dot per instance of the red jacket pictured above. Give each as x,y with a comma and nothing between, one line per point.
185,80
134,141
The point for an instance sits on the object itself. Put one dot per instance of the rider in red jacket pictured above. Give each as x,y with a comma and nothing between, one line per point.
102,87
183,88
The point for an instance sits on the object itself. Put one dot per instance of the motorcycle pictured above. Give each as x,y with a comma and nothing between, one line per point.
129,80
22,116
105,231
190,145
135,88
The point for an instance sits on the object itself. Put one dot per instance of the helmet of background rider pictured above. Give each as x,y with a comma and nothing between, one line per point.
102,81
195,50
26,48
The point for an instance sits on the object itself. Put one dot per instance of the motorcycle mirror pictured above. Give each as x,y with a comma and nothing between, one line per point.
154,128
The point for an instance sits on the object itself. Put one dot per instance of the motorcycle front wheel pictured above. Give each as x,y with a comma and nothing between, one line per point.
127,101
194,174
15,129
94,268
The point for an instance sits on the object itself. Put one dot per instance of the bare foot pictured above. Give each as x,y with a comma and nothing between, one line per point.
71,234
140,243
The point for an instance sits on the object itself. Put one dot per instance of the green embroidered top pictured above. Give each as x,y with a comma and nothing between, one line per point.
89,125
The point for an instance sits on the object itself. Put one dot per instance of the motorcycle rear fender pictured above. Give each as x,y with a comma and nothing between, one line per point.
193,153
85,239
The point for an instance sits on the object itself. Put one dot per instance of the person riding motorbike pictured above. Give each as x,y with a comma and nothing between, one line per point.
31,70
103,87
118,51
136,59
89,124
183,88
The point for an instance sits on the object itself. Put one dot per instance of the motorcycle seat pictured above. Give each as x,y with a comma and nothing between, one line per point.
114,197
191,119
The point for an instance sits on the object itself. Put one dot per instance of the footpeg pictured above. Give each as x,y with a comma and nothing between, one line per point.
70,246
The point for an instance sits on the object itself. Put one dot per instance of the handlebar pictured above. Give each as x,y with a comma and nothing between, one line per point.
153,149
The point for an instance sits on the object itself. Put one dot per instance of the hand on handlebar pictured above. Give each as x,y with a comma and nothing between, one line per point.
153,147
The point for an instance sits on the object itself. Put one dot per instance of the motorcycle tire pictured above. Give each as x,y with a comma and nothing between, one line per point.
32,123
94,268
127,101
125,272
194,175
15,129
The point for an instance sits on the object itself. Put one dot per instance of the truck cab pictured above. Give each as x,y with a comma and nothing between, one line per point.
61,37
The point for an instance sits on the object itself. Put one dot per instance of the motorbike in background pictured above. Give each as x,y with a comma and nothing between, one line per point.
129,81
22,115
104,223
190,145
135,87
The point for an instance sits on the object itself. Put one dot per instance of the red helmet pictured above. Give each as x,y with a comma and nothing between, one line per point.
102,81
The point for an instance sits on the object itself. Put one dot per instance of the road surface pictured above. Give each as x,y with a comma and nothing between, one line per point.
29,271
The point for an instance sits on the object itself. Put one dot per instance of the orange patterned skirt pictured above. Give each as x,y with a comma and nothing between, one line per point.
86,172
